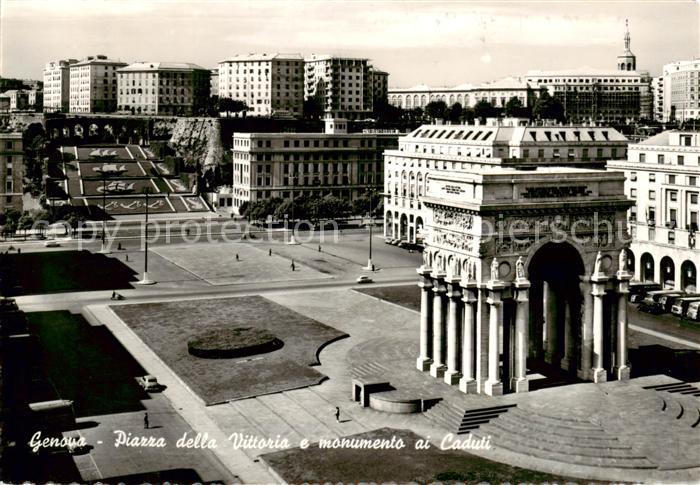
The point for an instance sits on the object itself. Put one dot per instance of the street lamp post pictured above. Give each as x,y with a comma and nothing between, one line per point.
292,240
146,280
370,265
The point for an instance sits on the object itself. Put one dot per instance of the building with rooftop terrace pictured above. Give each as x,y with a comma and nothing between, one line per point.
93,85
433,149
163,88
662,177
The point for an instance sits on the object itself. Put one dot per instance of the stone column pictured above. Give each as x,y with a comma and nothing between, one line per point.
426,319
586,330
622,369
519,382
551,309
482,338
467,383
598,282
494,386
567,362
437,368
454,324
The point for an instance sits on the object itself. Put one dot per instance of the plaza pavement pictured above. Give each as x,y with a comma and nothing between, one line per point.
384,334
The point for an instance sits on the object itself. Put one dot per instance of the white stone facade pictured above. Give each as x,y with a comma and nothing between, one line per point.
270,84
681,83
57,85
663,177
93,85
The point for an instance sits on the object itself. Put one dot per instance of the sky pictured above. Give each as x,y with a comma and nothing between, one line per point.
439,43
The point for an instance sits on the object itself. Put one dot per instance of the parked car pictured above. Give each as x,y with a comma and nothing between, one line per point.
52,243
655,296
653,307
693,313
149,383
667,301
639,289
680,307
364,279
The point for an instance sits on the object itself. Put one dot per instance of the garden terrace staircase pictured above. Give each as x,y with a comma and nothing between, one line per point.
459,421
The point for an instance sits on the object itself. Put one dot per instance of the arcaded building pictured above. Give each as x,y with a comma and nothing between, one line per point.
433,149
662,174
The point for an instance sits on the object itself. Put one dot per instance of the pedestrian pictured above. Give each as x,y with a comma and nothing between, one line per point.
119,247
293,265
269,252
337,414
114,295
145,421
19,250
372,266
319,248
237,258
127,258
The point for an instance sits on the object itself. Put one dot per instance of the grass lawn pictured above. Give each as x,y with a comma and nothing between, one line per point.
62,271
85,364
315,465
406,295
167,327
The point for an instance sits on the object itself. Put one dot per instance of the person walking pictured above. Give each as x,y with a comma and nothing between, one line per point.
337,414
114,295
319,248
293,267
269,252
145,421
237,259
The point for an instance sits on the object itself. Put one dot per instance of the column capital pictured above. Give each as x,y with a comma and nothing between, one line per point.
598,289
599,278
424,271
438,275
522,284
495,285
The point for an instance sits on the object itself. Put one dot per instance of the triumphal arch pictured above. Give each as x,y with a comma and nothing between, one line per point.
524,266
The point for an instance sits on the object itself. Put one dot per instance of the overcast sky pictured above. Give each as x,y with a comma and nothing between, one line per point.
437,42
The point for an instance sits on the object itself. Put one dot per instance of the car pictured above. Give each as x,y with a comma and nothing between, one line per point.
364,279
149,383
52,243
653,307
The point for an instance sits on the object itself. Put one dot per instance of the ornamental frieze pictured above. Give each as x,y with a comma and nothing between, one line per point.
452,219
460,242
569,223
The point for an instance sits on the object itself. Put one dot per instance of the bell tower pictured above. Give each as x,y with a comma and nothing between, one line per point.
627,61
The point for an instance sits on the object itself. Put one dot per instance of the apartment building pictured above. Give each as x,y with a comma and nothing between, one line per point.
657,90
57,85
343,86
163,88
11,170
289,165
681,87
380,86
662,177
93,85
270,84
472,148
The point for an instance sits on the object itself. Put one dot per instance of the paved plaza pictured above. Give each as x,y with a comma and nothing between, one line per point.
382,338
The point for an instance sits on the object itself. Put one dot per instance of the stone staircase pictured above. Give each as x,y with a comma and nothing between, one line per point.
460,421
682,388
566,440
370,369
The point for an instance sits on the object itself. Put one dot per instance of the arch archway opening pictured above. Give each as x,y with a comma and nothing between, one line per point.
646,271
668,273
556,308
689,277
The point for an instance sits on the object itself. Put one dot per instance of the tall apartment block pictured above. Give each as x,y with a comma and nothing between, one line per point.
270,84
163,88
57,85
343,86
380,86
11,170
93,85
681,90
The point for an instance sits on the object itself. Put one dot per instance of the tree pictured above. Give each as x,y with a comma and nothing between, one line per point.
228,105
313,109
467,115
361,205
436,109
548,108
213,106
25,222
384,111
514,107
454,113
483,109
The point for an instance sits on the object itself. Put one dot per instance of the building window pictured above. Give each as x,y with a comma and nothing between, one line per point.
642,157
652,195
660,158
693,198
633,176
673,195
633,193
671,237
692,181
681,160
652,177
670,179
